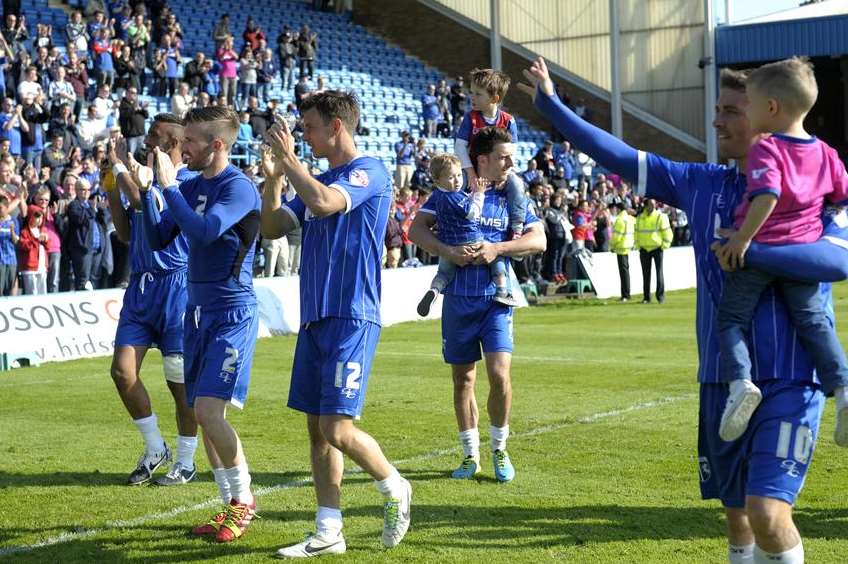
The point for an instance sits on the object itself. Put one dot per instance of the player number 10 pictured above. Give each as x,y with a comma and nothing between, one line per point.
803,442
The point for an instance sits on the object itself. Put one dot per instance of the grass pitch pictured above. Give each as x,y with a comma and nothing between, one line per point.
603,440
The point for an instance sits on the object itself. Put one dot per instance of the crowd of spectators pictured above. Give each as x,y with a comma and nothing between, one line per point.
576,201
61,107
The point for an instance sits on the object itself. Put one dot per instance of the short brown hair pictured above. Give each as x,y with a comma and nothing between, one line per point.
228,119
442,163
494,82
733,79
791,82
485,140
332,104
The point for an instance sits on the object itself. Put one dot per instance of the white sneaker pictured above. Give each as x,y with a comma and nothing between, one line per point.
840,435
314,545
741,403
396,516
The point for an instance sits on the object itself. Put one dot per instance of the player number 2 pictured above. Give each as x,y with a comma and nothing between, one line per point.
229,364
353,375
201,204
803,442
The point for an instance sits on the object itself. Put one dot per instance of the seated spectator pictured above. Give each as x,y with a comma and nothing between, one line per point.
260,120
197,73
203,100
182,101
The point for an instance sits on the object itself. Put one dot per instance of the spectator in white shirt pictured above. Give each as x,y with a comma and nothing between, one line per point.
60,90
182,101
30,86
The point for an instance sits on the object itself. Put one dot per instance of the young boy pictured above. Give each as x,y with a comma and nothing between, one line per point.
488,88
457,221
8,241
790,175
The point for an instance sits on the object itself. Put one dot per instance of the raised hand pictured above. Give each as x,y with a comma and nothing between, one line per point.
281,141
538,76
270,167
162,167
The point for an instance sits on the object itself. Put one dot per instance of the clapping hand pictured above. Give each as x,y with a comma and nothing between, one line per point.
538,77
281,141
270,167
162,167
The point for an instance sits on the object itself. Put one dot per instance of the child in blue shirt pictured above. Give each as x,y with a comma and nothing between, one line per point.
458,223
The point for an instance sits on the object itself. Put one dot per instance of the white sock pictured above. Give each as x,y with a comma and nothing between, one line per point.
736,384
470,441
239,479
791,556
328,521
223,484
185,450
498,436
391,486
149,428
743,554
840,394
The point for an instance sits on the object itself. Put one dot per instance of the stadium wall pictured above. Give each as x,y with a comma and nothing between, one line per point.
454,49
71,325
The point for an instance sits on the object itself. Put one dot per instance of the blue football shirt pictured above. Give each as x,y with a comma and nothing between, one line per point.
475,279
341,254
220,218
142,257
709,194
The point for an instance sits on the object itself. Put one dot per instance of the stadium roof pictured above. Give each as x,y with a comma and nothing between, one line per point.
815,30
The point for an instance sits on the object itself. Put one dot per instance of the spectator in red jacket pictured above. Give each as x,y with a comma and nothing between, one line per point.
32,253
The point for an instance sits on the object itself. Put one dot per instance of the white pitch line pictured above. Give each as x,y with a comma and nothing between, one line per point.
138,521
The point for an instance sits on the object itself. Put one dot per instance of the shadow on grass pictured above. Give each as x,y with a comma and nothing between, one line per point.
434,526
